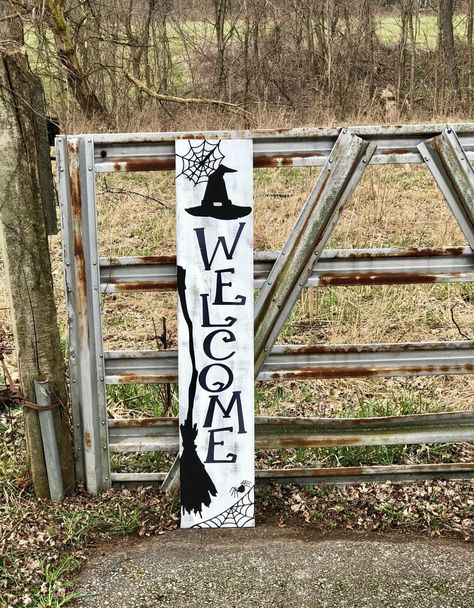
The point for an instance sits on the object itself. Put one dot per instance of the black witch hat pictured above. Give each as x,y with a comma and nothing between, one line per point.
216,202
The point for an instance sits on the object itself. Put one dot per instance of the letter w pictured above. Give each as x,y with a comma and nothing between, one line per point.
220,241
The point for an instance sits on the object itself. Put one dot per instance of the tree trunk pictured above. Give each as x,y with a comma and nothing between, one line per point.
75,73
412,27
470,46
220,11
446,14
26,253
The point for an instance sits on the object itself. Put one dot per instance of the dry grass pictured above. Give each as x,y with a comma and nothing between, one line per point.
392,206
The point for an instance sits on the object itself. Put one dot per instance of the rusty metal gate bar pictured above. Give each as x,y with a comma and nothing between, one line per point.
294,361
446,150
272,432
327,475
334,268
309,147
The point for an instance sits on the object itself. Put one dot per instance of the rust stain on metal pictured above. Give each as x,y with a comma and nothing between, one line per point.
353,348
368,470
143,422
436,251
282,160
375,423
379,278
408,150
142,285
168,164
360,372
78,244
129,378
158,260
414,252
405,253
339,471
144,164
303,442
329,372
87,439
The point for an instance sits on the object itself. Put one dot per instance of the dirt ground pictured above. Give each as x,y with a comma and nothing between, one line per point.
280,567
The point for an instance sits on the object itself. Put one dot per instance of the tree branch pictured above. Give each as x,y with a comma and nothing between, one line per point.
141,86
463,334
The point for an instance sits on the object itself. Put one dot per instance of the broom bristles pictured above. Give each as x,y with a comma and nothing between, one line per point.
196,485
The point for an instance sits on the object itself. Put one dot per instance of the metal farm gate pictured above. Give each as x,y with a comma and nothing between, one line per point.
344,154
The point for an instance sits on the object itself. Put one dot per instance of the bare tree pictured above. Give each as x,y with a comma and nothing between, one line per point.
76,75
446,38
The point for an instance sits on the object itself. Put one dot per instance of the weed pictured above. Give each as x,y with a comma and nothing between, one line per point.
55,590
133,400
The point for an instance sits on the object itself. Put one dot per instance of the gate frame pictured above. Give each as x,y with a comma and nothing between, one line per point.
447,151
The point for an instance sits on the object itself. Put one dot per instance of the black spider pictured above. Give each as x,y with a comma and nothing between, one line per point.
243,485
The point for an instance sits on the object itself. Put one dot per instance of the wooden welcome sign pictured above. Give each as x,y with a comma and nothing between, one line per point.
214,197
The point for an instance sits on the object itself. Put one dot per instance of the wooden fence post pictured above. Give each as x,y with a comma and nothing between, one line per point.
26,254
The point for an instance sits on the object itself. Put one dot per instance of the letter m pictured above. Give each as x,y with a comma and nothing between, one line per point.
226,411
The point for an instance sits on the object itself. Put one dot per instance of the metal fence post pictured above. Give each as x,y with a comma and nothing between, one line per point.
62,168
50,445
79,219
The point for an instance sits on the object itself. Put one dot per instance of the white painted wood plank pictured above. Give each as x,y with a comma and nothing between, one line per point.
214,200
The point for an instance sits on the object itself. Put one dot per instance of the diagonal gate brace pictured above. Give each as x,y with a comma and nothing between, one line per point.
320,214
448,163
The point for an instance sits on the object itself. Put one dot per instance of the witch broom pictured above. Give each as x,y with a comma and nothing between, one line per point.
196,485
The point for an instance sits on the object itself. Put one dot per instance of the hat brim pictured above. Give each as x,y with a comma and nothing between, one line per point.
231,212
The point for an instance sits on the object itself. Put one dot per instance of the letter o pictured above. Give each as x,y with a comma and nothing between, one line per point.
216,386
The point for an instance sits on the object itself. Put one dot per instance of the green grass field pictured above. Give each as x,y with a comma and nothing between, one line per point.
389,29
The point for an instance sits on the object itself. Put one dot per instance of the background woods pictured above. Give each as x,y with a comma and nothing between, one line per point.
305,60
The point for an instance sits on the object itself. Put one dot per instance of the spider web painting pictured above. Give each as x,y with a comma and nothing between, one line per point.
238,515
200,161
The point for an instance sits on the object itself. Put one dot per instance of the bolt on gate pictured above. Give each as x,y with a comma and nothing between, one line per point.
343,155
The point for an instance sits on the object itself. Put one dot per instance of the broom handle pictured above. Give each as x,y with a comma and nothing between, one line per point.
181,280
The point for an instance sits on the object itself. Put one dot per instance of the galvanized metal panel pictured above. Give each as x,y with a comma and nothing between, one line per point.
335,267
161,434
50,444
